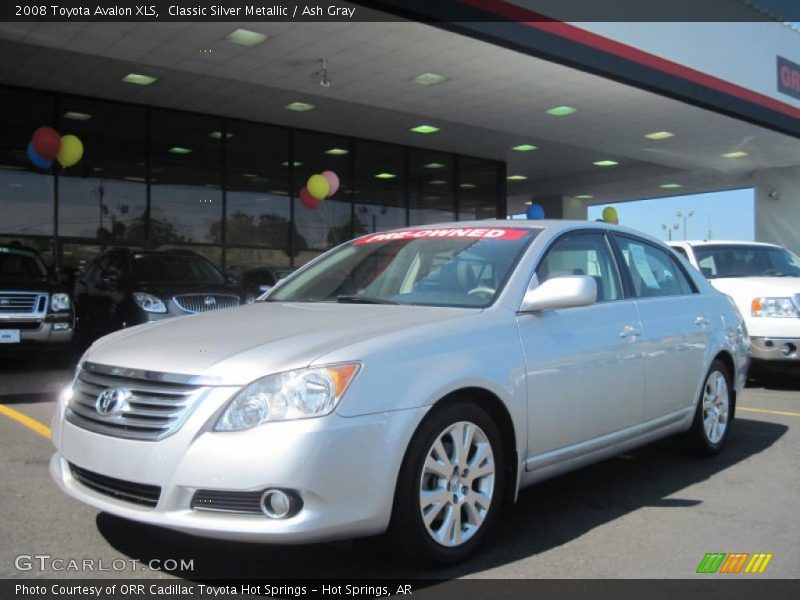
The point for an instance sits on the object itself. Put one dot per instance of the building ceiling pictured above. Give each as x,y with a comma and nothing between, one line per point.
493,99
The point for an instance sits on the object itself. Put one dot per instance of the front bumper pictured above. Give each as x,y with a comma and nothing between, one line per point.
343,468
40,333
780,350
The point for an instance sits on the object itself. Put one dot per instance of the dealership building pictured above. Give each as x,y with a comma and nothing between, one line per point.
201,135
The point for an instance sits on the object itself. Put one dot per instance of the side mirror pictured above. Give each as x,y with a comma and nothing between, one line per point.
561,292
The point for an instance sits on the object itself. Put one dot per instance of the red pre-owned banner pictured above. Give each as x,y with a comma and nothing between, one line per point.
449,232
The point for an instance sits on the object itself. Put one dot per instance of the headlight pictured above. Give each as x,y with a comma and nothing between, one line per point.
149,303
301,394
773,307
60,302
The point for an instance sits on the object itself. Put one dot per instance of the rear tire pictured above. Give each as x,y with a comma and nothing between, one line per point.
714,415
450,486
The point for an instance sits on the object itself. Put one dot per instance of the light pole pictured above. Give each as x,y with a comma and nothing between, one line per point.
669,229
685,216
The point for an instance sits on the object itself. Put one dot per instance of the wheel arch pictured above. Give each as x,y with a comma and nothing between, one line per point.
726,358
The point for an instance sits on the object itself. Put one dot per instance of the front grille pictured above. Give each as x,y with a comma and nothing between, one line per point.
148,405
23,303
137,493
235,502
197,303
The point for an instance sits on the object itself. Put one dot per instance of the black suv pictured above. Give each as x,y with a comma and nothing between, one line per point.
124,287
35,309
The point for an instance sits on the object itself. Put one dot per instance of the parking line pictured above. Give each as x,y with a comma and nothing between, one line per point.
769,412
33,424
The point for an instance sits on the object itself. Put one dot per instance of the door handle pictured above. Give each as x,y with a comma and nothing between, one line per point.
701,322
629,332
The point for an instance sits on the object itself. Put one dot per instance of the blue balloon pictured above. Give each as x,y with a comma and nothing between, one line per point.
37,160
535,212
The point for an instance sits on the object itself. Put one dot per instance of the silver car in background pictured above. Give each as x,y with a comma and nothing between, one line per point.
404,383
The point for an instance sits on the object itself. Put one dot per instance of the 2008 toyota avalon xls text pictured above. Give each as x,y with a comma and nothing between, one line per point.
405,382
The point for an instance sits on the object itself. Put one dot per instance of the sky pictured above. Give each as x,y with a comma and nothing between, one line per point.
727,215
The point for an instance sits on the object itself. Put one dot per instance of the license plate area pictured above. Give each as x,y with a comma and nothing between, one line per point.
9,336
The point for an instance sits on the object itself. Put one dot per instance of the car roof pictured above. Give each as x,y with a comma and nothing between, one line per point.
20,247
720,243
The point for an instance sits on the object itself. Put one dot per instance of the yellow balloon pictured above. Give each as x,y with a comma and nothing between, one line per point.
71,151
318,186
610,215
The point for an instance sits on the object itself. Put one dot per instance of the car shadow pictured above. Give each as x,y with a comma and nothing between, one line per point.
780,381
547,515
26,398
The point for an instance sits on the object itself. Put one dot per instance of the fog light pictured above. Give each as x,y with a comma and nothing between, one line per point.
788,349
60,326
277,504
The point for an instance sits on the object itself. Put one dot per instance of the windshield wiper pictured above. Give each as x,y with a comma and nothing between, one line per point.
358,299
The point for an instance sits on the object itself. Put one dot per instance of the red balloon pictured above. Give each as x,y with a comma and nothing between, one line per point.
46,142
308,200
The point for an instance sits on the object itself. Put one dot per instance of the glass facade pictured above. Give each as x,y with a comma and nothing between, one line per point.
225,188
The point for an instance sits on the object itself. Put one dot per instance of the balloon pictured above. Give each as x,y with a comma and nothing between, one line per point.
46,142
333,181
610,215
37,160
318,186
71,151
308,200
535,212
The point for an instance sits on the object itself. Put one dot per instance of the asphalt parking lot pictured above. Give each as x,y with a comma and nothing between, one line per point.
653,513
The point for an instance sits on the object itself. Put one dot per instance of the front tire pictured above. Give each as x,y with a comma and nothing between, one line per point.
714,414
450,486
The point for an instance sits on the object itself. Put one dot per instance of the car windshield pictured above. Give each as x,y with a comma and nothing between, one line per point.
176,268
730,260
20,264
434,267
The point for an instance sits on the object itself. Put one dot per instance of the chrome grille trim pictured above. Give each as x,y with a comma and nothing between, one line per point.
197,303
228,502
16,305
156,408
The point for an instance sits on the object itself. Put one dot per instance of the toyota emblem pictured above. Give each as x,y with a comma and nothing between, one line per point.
111,400
210,301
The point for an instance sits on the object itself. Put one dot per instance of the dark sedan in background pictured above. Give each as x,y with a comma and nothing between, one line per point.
124,287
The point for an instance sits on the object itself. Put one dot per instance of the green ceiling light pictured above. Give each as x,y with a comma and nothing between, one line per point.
434,165
77,116
300,106
425,129
337,151
516,177
295,163
670,186
525,148
467,186
737,154
561,111
429,79
438,182
385,175
180,150
139,79
584,197
605,163
659,135
245,37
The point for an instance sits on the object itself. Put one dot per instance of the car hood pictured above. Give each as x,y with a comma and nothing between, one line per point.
747,288
239,345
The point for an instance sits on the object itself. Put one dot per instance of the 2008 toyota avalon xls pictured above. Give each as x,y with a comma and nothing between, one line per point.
405,382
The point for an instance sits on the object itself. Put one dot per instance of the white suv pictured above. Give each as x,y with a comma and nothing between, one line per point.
764,282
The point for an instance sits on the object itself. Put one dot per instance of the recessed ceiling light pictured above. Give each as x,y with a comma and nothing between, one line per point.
524,148
337,151
295,163
437,182
529,202
561,111
424,129
217,135
139,79
300,106
249,175
659,135
385,176
584,197
135,179
605,163
429,79
245,37
77,116
180,150
737,154
670,186
468,186
434,165
516,177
